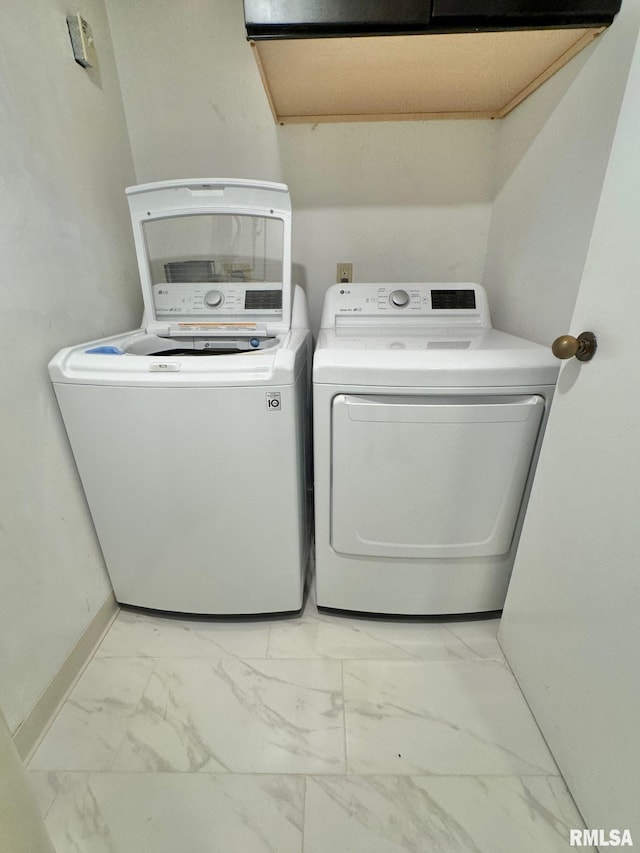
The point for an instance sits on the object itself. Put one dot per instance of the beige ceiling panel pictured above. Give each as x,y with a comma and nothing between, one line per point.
459,75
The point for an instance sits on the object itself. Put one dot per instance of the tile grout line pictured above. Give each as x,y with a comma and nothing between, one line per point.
267,650
422,774
304,813
118,749
344,721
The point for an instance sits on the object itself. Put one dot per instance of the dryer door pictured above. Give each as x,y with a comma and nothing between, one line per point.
430,476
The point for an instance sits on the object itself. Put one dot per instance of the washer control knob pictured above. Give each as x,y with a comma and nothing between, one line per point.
399,298
213,299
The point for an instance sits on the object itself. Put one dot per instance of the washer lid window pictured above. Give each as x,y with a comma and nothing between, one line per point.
214,257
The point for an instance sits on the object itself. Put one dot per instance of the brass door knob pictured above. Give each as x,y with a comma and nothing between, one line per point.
583,347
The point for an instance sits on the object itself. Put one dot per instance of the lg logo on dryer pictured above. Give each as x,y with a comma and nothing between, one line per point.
274,404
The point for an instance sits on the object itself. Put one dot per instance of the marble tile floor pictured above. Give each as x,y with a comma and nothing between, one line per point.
314,734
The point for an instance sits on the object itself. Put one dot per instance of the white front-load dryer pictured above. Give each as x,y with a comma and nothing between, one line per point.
192,435
427,427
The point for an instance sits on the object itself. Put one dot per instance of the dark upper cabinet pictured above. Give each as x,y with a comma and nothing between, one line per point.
455,15
309,18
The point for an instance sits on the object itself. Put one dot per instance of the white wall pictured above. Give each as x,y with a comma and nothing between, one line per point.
551,158
194,101
407,200
68,274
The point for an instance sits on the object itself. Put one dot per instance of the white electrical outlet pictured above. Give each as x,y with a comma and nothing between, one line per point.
344,273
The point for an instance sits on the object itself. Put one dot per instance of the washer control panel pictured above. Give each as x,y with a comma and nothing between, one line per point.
446,303
179,299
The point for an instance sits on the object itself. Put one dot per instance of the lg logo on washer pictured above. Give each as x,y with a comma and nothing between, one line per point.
273,401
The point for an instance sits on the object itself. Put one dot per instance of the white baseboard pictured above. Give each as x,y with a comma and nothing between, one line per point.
32,729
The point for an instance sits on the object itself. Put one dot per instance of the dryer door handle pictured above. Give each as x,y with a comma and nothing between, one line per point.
438,409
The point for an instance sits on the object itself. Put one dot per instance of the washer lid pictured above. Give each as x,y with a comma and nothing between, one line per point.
214,256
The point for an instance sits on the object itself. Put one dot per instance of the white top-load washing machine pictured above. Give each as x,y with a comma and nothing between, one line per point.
427,426
192,434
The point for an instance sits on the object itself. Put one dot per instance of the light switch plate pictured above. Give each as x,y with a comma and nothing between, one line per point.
84,50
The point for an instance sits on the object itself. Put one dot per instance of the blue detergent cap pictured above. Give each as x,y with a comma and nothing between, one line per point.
105,350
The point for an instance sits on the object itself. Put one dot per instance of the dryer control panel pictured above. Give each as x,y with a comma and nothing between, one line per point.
459,304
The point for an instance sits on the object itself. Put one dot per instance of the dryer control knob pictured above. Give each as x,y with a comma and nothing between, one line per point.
213,299
399,298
